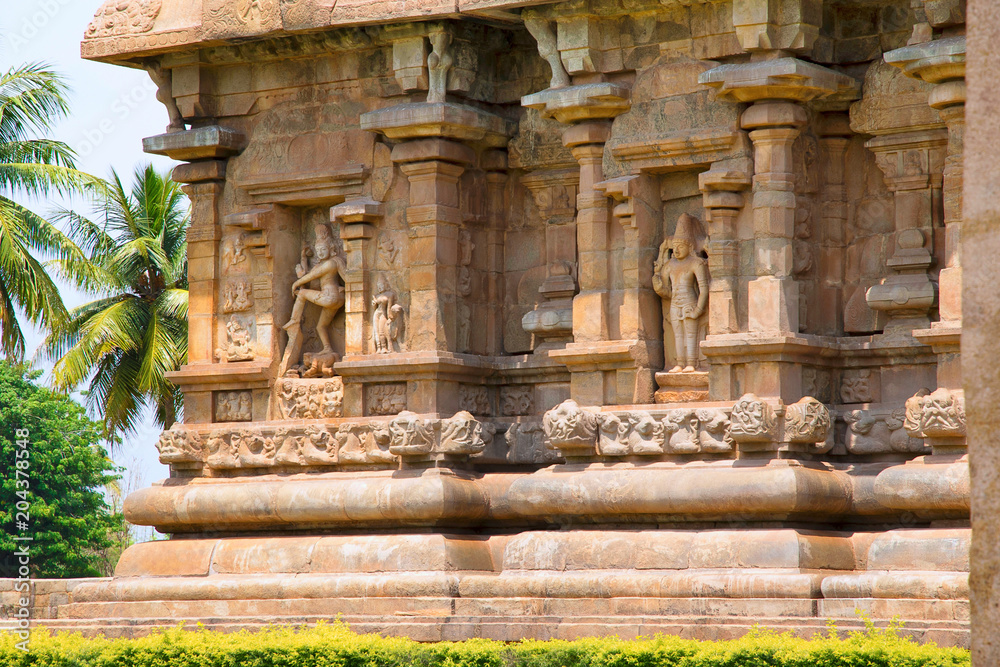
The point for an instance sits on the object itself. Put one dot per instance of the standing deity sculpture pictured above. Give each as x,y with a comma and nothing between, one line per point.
328,268
680,277
387,319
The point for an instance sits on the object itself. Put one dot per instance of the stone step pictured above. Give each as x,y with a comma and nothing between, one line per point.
510,628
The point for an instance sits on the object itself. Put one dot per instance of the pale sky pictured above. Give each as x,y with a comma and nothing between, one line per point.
112,109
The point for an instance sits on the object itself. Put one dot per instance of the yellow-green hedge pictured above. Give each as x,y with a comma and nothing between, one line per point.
336,646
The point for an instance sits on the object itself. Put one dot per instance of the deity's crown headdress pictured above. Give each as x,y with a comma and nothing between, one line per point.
687,229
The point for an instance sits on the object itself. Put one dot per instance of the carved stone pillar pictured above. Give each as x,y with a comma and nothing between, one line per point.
589,108
777,88
941,62
637,209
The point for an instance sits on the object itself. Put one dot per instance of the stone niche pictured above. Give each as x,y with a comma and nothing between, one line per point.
510,316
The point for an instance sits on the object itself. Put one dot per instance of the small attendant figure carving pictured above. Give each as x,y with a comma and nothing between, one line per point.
328,268
680,277
387,319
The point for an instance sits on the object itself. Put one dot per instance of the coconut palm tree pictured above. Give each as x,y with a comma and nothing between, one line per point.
134,332
32,99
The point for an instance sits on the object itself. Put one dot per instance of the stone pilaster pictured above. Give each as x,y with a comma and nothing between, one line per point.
722,187
777,88
773,296
601,372
205,150
834,136
590,306
433,167
358,219
941,62
495,164
912,163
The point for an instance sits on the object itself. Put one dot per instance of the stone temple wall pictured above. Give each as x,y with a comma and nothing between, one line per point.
512,318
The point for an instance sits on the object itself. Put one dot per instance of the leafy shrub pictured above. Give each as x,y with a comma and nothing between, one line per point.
336,646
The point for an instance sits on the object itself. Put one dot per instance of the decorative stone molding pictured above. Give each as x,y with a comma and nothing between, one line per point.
115,17
938,417
179,445
805,425
411,436
779,79
879,432
464,435
697,431
807,421
681,431
571,429
753,421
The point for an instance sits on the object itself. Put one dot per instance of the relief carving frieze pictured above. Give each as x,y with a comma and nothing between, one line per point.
474,399
879,432
233,406
680,431
239,344
120,17
311,398
385,399
517,400
237,296
938,417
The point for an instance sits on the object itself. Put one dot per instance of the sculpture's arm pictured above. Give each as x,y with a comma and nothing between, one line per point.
658,285
316,273
701,273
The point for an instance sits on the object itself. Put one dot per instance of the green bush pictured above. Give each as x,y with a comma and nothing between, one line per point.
336,646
